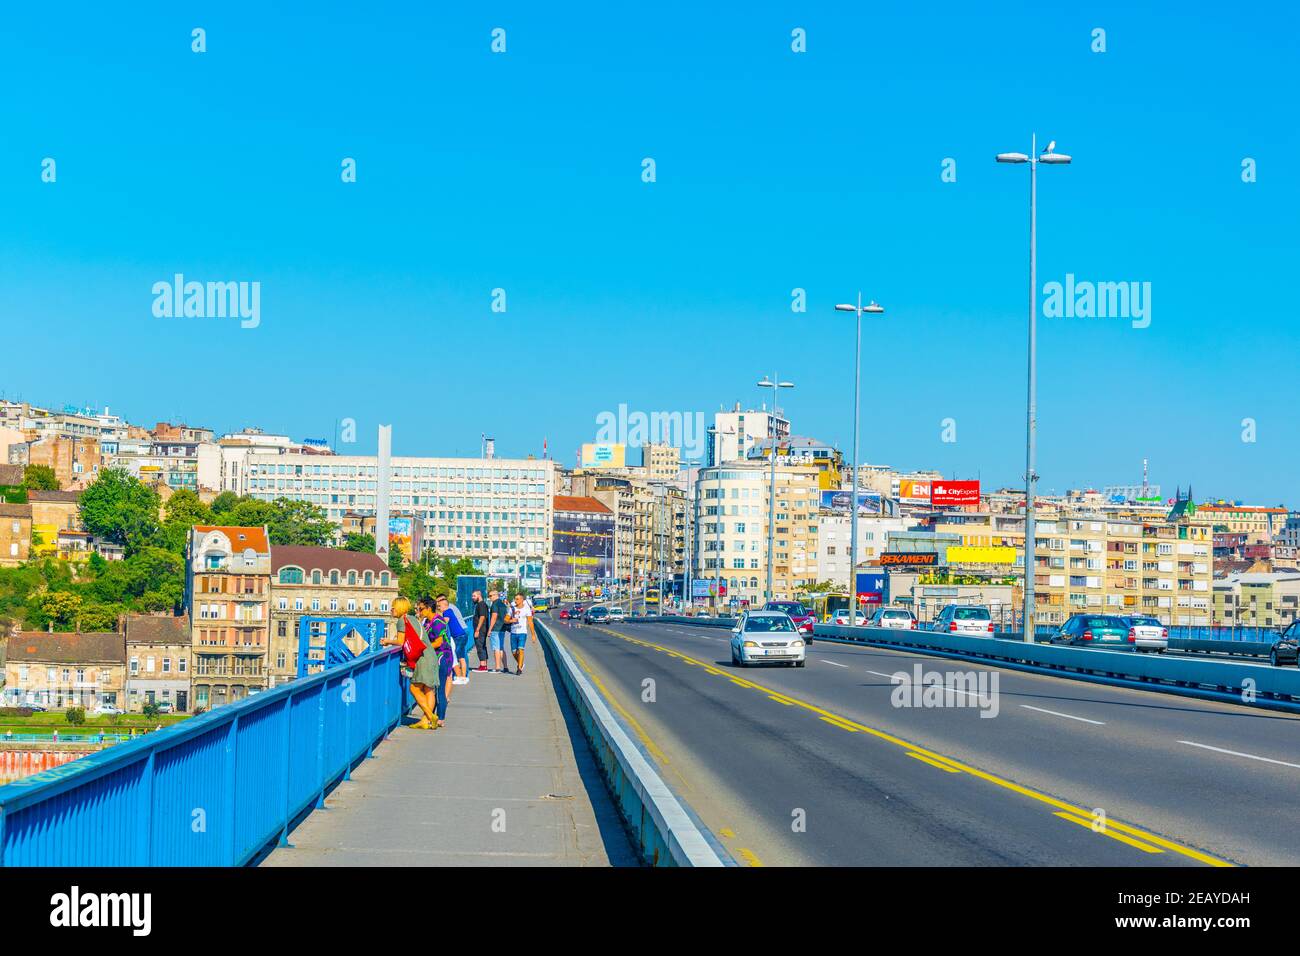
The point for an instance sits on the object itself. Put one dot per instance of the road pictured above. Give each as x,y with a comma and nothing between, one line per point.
817,766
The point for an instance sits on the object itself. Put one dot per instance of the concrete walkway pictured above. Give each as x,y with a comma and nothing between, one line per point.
509,781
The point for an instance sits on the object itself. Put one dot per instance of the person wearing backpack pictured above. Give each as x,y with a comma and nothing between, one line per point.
419,662
460,638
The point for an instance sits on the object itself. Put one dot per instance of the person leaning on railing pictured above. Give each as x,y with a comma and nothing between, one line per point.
419,662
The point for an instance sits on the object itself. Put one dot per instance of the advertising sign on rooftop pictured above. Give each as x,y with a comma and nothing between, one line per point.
954,493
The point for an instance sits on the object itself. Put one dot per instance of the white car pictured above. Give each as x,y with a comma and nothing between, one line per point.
1147,634
842,618
107,710
617,614
964,619
894,617
766,637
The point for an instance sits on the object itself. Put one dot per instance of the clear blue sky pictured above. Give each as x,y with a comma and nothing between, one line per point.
775,170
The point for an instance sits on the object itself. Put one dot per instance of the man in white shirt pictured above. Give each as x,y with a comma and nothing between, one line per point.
521,625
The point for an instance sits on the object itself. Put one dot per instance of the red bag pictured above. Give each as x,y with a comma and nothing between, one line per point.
412,644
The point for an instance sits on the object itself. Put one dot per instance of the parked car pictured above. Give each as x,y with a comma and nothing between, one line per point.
964,619
1147,634
164,707
105,710
1093,630
597,614
1286,649
766,637
894,617
617,614
842,618
802,617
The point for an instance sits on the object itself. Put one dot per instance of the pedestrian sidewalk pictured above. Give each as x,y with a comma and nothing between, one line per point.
509,781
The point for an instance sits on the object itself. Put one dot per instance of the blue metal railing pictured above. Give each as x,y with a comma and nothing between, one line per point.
214,790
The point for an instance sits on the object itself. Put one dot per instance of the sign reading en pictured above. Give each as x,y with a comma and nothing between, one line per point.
910,559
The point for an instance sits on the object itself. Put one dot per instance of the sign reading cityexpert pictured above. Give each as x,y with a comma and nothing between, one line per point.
909,559
951,493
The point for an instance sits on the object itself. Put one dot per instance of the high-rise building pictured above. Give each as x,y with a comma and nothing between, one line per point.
734,433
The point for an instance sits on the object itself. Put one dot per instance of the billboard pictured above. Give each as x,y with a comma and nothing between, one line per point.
871,587
706,587
910,559
868,501
400,536
954,493
917,492
582,552
970,554
604,456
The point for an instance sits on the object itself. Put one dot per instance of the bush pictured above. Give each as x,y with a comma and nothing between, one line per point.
150,709
16,711
76,716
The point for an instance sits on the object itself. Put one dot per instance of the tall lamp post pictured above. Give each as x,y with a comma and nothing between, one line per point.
775,384
1050,158
871,309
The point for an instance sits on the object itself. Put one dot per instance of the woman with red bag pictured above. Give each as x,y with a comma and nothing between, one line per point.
419,663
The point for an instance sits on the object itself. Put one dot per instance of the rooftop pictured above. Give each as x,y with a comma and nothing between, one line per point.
67,647
310,558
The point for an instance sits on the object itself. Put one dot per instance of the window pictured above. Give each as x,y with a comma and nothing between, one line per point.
352,578
315,577
291,576
334,577
135,666
182,664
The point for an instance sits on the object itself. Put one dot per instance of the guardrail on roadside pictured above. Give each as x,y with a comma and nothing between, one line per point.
666,834
214,790
1252,684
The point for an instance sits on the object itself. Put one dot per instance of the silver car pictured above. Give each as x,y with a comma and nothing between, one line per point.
766,637
1147,634
970,619
894,617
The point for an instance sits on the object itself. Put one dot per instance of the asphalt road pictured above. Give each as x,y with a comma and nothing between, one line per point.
819,766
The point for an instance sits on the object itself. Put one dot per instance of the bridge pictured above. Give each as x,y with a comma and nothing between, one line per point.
641,743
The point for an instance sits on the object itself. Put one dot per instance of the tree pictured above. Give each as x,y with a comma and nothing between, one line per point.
75,716
120,508
287,521
40,478
59,607
365,543
221,504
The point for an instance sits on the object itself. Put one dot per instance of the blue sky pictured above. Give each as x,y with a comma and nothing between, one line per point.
775,171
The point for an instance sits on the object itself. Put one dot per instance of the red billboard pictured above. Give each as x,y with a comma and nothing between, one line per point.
952,493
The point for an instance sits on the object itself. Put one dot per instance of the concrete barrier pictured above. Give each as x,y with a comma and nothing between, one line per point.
1259,685
667,834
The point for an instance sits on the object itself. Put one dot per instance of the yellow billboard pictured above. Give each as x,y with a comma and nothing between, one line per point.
604,456
972,554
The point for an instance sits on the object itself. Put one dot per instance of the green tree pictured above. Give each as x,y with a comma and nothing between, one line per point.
222,504
40,478
75,716
120,508
365,543
58,607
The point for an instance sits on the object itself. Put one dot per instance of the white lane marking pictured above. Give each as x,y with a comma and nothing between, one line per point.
1057,713
878,674
946,690
1238,753
832,663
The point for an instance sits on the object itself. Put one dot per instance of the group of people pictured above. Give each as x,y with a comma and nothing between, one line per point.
435,642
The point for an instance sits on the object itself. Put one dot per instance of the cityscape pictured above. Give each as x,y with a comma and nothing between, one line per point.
530,439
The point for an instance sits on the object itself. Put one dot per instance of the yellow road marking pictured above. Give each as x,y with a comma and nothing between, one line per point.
750,858
781,700
1106,830
841,724
1005,784
932,763
727,832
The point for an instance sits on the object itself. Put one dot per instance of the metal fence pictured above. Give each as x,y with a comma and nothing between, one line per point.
215,790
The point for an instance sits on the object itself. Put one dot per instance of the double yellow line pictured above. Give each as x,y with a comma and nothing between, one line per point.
1133,836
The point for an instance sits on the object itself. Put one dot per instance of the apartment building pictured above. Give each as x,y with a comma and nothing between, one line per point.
321,583
227,594
731,518
494,511
158,655
74,461
1254,599
661,462
62,670
734,433
1260,525
835,542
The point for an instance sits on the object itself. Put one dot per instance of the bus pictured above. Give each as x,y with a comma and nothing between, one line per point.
826,606
542,602
652,596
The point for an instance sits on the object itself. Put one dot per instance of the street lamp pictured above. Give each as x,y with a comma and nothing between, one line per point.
871,309
775,384
1051,158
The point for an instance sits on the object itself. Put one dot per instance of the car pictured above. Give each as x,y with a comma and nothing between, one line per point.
636,614
576,610
1286,649
1147,633
802,617
969,619
596,614
1094,630
842,618
766,637
106,710
617,614
164,707
897,618
564,614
